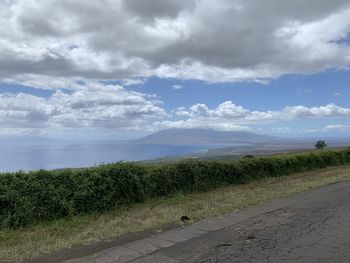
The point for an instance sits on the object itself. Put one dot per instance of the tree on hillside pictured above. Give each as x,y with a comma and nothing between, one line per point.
320,144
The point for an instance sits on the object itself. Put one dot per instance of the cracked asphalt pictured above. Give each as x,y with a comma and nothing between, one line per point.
315,230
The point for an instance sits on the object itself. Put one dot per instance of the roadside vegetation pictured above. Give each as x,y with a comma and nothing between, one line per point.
42,196
43,238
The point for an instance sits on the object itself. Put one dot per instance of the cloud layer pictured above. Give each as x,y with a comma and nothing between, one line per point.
211,40
96,106
229,116
74,48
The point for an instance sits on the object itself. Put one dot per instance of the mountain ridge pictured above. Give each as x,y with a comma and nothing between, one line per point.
204,136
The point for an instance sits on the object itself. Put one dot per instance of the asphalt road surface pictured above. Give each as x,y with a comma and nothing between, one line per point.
315,228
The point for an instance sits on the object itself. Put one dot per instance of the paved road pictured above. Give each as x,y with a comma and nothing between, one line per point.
313,226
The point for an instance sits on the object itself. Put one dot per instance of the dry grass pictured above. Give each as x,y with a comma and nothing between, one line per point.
15,245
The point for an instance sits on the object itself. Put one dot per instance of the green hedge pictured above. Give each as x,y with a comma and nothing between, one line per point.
27,198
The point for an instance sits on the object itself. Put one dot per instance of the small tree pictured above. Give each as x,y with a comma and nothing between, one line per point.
320,145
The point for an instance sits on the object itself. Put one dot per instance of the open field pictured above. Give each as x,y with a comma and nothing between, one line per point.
32,241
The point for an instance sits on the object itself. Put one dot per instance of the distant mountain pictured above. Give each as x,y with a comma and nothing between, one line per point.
205,137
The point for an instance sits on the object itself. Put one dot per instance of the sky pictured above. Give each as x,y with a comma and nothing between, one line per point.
119,69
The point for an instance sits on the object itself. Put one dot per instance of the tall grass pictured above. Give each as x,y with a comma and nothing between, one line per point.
27,198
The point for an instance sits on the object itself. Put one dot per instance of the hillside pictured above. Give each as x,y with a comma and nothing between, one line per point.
204,136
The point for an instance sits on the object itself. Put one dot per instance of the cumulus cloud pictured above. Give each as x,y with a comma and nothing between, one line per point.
228,113
210,40
74,48
96,106
113,108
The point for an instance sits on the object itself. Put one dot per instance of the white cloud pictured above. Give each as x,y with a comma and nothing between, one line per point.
297,112
282,129
112,108
203,124
131,82
334,126
227,114
177,87
24,110
71,47
128,40
95,106
46,82
328,129
337,127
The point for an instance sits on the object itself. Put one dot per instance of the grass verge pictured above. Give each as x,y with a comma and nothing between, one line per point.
32,241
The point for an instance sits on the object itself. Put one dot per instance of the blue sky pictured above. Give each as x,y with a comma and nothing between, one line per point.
290,90
310,90
174,64
313,90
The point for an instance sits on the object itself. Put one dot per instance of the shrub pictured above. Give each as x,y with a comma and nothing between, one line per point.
30,197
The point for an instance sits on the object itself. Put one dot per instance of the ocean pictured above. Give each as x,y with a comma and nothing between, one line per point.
72,155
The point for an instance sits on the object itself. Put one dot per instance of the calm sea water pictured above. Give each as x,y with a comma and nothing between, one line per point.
53,156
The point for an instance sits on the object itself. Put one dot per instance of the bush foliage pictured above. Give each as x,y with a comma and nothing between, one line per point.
31,197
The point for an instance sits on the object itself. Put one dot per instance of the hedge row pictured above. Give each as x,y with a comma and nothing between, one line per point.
27,198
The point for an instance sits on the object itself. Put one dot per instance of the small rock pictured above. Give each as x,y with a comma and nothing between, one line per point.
250,237
185,218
